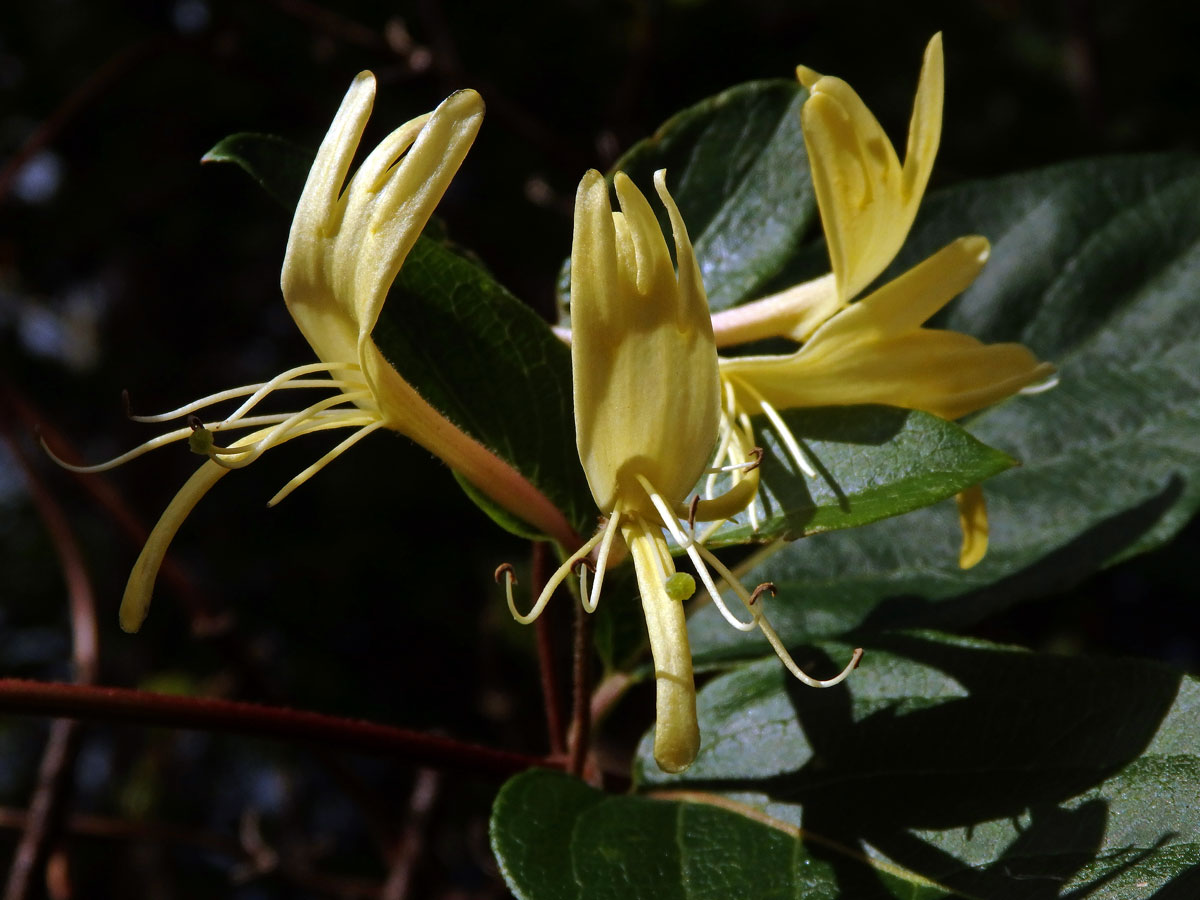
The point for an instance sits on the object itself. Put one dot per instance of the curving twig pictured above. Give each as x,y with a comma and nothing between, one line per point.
112,704
51,795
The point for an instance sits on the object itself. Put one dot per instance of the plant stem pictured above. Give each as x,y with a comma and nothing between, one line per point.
551,695
113,704
581,722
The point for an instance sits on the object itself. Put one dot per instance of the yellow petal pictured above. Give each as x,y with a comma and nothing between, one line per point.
346,246
795,313
973,519
908,301
867,199
400,207
877,352
646,386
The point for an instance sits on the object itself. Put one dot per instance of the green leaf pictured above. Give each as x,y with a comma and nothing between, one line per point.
872,462
738,170
486,361
532,818
475,352
997,772
279,166
556,838
1096,266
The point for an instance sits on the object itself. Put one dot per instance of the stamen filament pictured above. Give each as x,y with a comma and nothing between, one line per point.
283,431
591,600
325,460
250,390
689,546
136,600
1041,386
179,434
755,606
786,658
734,467
554,581
279,382
781,428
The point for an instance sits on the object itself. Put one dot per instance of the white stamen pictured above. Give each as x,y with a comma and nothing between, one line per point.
325,460
801,675
252,389
785,433
277,383
1051,382
285,429
555,580
591,600
179,434
689,546
755,608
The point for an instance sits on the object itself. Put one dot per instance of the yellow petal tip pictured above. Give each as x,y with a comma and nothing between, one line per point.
806,76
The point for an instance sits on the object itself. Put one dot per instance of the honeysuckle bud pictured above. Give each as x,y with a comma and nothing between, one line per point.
347,243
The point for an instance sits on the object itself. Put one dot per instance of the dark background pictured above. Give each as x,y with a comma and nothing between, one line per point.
125,264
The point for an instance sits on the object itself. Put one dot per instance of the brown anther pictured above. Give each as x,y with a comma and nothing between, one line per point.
757,457
125,403
195,423
585,561
505,569
695,505
765,588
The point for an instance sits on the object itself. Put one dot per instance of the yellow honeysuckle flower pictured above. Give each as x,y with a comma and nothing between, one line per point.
877,351
647,410
347,243
874,351
867,199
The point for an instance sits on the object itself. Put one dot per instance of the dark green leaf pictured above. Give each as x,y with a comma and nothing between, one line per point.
556,839
279,166
532,819
1096,266
872,462
488,363
1001,773
737,167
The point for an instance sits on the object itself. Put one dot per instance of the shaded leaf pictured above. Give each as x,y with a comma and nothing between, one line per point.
872,462
279,166
1001,773
556,838
488,363
1096,266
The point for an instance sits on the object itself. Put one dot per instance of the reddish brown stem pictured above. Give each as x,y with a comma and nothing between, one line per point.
420,807
51,796
112,704
581,716
551,695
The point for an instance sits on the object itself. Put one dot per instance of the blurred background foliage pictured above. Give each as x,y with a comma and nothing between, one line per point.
124,264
